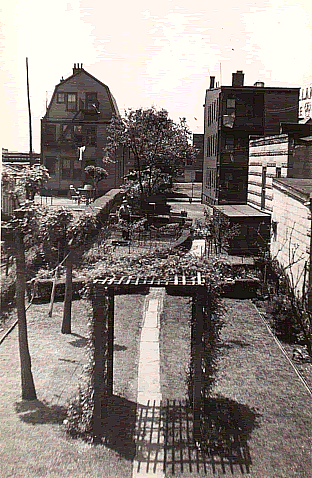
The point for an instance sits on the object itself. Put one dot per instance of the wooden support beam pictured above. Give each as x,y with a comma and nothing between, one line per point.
197,350
102,344
110,342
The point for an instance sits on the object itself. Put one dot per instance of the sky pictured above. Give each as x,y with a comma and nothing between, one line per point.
158,53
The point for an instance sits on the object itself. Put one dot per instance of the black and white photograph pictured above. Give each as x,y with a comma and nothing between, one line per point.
156,239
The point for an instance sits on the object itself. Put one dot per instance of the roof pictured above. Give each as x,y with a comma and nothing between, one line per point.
299,186
256,88
78,72
297,128
240,210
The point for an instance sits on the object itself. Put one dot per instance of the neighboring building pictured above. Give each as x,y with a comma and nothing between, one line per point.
291,224
232,114
288,154
74,132
19,159
193,171
305,103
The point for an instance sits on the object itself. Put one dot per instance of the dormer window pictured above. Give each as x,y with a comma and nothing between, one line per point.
71,101
60,98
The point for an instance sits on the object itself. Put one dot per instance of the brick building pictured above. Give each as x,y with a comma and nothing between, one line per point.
232,114
291,223
288,154
74,132
193,171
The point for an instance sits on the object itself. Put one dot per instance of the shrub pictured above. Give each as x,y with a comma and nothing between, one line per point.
283,319
7,292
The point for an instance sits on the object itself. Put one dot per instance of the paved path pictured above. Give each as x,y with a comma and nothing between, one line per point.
148,441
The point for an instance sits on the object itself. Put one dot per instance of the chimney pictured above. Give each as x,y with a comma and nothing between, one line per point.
238,79
212,82
77,67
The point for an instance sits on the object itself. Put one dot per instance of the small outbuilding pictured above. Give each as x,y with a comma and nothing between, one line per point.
253,234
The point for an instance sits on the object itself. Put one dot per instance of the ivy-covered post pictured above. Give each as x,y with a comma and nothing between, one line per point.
101,304
197,350
66,324
110,325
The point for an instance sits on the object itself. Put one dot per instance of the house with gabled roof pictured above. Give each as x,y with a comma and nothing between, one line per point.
74,132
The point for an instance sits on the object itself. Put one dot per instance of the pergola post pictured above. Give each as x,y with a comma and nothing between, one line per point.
197,350
102,336
110,323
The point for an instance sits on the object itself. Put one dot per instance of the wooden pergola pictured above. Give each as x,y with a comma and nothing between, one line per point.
102,297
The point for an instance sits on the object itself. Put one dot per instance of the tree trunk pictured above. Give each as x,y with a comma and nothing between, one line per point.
28,387
66,325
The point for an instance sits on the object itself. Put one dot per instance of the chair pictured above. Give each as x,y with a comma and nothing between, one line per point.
74,194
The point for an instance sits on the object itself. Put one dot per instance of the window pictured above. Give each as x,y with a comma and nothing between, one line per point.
78,136
71,101
230,103
66,169
278,172
66,131
229,142
50,163
263,186
60,98
90,135
91,102
49,133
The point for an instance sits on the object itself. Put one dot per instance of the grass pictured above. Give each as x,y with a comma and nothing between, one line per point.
259,409
175,342
32,438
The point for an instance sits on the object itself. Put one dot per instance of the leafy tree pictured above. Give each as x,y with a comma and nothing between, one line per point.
54,230
62,232
97,174
156,142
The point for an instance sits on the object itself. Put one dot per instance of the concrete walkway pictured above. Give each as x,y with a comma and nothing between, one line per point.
149,438
198,248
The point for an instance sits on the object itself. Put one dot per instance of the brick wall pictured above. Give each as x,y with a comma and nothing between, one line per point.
290,243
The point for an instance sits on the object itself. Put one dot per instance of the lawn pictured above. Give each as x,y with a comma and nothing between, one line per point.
32,437
258,419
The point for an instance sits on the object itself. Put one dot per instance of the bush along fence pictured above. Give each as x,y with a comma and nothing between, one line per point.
290,315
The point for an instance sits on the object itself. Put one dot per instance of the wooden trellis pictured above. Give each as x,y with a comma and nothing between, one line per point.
103,292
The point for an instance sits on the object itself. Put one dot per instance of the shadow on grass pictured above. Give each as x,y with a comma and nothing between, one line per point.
165,438
230,344
39,413
225,429
79,342
119,348
118,426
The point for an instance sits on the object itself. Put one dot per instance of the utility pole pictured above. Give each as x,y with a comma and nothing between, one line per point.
29,116
310,263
